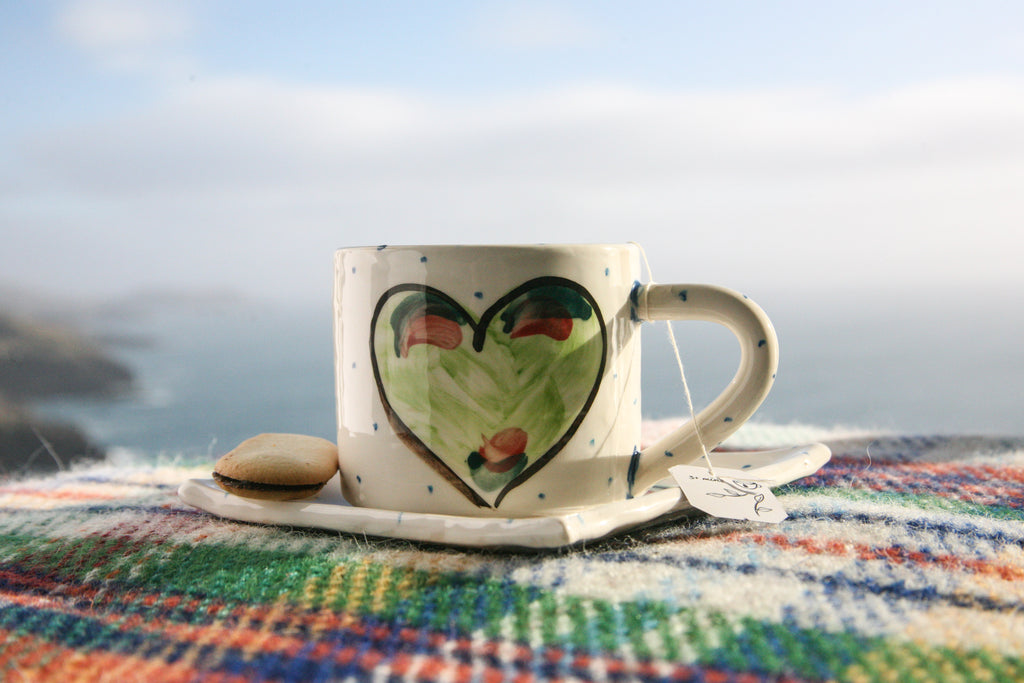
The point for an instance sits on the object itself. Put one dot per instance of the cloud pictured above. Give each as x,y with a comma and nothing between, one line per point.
247,130
533,26
793,187
124,34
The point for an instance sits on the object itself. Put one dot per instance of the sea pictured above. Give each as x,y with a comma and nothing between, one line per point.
909,362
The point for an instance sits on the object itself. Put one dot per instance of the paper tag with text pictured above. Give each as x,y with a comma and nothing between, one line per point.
731,494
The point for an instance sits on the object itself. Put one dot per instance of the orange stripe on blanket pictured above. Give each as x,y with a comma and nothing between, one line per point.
894,554
30,658
255,638
56,494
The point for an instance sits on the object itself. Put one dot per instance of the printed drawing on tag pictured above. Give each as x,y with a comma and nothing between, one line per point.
729,494
737,488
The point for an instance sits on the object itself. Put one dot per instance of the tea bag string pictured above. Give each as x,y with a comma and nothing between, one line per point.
682,372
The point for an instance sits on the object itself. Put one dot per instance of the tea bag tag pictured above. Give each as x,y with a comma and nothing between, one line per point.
730,494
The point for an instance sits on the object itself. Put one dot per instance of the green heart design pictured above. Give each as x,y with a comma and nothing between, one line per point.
488,402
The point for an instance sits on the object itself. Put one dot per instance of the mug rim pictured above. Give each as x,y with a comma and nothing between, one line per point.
539,246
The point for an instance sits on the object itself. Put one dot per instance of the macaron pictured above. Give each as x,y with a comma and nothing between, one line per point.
277,467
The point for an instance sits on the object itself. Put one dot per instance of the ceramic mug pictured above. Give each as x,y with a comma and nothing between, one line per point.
504,381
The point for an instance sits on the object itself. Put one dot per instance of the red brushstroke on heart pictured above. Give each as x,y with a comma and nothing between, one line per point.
503,450
540,316
431,329
558,329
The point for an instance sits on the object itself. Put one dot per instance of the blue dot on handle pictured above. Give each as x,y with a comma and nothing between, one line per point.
762,343
609,481
682,295
423,259
359,479
593,441
541,496
478,295
728,419
375,427
669,454
353,270
430,488
607,271
382,247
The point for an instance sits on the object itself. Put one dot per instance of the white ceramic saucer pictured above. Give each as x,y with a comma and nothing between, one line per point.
328,510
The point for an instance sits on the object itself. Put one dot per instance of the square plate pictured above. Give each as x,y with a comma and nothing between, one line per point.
328,510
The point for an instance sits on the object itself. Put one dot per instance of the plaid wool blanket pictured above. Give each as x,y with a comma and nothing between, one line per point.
901,560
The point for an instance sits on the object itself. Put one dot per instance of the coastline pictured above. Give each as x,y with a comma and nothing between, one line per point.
41,360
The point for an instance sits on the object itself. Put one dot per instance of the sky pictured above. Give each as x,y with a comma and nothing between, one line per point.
760,145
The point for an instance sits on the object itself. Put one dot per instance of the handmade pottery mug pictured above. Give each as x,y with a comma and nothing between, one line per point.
504,381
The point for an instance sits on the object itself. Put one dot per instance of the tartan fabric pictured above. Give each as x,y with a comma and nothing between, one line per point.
902,560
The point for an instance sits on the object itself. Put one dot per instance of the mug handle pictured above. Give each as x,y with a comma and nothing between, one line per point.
759,360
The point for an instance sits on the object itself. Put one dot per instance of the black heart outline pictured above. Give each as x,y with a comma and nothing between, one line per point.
479,335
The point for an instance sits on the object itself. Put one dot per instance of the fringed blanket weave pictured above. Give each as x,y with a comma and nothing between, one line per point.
901,560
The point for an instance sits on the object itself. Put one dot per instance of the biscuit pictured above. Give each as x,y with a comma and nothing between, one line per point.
277,467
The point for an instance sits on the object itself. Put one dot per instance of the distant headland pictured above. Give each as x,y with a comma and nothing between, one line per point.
41,360
55,345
